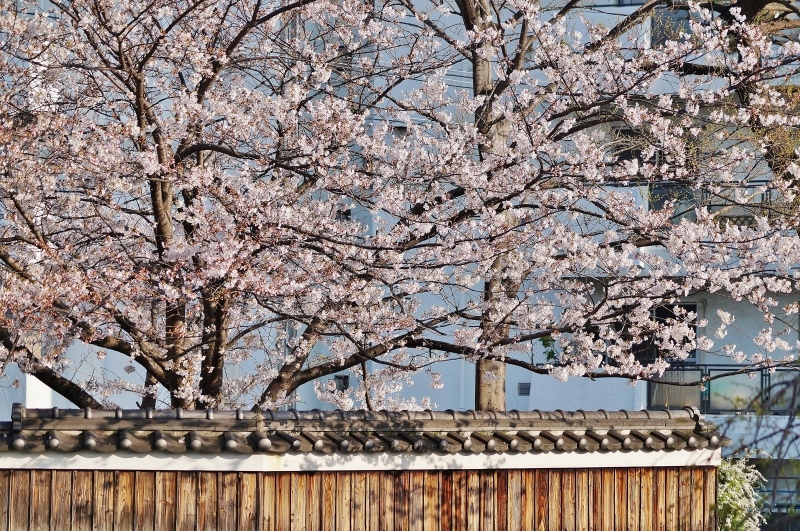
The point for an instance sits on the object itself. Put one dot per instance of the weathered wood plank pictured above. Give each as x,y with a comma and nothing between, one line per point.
246,501
568,500
227,486
299,496
124,486
187,501
634,488
40,499
646,499
696,517
542,496
402,487
501,497
19,499
207,502
488,497
583,504
596,499
659,498
609,505
446,482
166,497
671,500
104,494
621,498
266,497
416,501
328,501
81,499
554,499
314,502
5,476
358,501
62,498
459,499
684,498
473,493
431,506
515,504
527,512
343,492
710,498
386,522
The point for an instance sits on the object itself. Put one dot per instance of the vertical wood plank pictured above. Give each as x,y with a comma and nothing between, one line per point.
82,499
684,508
634,487
542,496
62,498
473,500
568,500
710,498
515,503
246,495
646,499
40,499
227,484
554,499
386,522
609,504
298,505
460,499
343,491
329,501
501,496
123,500
187,501
488,496
5,477
207,502
103,500
430,503
19,500
358,501
416,500
527,500
621,497
671,501
582,500
696,519
166,496
314,502
402,486
267,496
660,500
446,482
596,495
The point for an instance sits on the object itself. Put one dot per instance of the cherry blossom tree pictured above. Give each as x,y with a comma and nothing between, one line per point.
194,183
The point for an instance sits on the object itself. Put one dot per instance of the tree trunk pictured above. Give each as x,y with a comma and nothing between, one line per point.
490,385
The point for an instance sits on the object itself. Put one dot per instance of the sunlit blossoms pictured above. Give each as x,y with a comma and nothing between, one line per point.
300,188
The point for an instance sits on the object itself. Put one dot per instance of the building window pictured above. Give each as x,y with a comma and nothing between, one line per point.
668,25
524,389
342,382
647,351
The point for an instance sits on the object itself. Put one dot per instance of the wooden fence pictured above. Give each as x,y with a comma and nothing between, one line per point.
623,499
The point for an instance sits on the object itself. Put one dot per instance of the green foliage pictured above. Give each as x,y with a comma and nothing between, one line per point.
740,502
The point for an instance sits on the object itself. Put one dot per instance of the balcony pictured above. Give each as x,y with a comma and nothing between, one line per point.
760,391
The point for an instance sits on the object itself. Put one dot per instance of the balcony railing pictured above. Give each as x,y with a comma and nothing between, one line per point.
762,391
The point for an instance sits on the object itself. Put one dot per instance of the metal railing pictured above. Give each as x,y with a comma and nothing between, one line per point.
762,390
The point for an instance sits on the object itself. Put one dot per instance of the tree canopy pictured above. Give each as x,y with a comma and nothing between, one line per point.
305,185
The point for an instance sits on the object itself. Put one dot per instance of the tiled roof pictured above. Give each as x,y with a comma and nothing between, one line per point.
328,432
